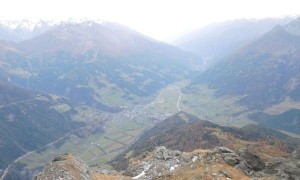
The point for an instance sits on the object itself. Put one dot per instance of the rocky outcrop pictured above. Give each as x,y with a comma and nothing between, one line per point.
162,163
253,166
252,161
158,163
244,160
162,152
284,168
64,166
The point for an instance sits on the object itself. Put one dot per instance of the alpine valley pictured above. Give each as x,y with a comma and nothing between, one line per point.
103,101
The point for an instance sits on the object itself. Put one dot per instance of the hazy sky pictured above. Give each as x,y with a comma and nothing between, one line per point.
160,19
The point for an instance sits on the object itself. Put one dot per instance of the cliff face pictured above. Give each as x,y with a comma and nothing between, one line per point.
162,163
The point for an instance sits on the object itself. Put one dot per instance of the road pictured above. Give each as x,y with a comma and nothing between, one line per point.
8,167
178,101
27,154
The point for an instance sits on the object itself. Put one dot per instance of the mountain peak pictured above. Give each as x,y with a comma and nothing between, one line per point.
277,31
20,30
277,39
294,27
25,24
278,28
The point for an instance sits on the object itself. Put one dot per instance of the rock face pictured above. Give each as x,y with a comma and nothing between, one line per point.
243,159
252,161
64,166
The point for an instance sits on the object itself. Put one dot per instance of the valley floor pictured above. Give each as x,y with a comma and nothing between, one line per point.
108,134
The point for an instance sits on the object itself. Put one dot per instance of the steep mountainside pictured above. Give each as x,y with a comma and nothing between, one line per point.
29,121
286,121
220,39
265,71
184,132
102,65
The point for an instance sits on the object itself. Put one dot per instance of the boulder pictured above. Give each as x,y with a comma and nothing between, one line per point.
59,157
223,150
162,152
231,159
226,173
253,161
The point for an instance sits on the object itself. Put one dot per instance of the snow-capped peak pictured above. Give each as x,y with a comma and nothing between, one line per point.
25,25
29,26
83,21
22,30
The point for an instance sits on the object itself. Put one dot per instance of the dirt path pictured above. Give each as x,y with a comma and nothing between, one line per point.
178,101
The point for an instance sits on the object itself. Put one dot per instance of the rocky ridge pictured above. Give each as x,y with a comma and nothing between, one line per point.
159,163
162,163
218,163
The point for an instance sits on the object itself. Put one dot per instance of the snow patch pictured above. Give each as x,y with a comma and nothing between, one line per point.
84,21
195,158
172,168
138,176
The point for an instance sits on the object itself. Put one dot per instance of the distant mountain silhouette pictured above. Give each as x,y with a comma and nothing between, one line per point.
215,41
265,71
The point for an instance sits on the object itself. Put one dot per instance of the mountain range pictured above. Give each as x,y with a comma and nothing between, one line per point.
216,41
262,73
266,70
17,31
55,76
99,89
92,63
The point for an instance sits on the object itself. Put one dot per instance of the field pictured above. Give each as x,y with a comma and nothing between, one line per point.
202,102
167,99
96,148
282,107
